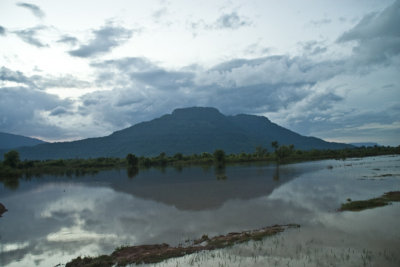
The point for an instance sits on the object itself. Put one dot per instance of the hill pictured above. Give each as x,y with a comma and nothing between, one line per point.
186,131
11,141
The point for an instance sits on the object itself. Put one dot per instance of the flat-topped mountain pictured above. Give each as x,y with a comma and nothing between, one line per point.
10,141
186,131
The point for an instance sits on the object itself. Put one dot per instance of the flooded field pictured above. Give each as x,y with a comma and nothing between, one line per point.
51,220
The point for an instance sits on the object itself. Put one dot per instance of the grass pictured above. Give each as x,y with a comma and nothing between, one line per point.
381,201
161,252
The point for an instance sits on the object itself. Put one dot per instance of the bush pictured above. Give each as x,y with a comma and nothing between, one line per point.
11,158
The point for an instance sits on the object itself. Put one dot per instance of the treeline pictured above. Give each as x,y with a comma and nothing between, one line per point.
13,167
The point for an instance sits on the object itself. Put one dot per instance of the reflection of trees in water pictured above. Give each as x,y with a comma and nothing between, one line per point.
11,183
206,167
132,171
178,168
220,172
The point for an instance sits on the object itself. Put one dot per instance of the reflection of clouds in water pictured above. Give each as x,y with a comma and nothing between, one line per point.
91,219
324,190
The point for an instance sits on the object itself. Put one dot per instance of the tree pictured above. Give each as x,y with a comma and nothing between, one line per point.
261,152
178,156
275,145
132,160
11,158
219,157
283,152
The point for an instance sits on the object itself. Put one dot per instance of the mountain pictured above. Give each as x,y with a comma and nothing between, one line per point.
187,131
10,141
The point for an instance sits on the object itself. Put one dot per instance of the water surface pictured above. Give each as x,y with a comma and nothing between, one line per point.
54,219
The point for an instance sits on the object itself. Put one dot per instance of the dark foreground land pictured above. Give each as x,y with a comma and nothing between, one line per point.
381,201
159,252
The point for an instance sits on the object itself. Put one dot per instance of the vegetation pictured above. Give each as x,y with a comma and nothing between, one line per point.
12,167
219,157
159,252
11,159
383,200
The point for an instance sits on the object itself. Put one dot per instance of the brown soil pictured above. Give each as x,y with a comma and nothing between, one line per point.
160,252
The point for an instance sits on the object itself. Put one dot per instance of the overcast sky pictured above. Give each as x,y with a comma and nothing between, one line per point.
76,69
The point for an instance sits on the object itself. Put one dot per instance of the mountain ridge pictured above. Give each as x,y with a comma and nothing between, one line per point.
185,130
11,141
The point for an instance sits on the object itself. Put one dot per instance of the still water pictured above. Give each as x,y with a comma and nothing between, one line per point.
54,219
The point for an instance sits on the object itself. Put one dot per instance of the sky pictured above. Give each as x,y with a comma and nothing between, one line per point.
76,69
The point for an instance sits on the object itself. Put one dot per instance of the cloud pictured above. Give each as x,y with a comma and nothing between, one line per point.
231,21
30,36
33,8
59,111
66,81
2,31
41,82
314,47
14,76
320,22
23,111
377,36
106,38
67,39
142,90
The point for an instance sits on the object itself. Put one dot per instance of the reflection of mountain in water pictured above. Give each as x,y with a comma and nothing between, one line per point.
197,189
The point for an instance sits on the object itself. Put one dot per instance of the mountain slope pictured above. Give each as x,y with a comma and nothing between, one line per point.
10,141
187,131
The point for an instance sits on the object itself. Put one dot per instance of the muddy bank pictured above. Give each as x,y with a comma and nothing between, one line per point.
159,252
2,209
381,201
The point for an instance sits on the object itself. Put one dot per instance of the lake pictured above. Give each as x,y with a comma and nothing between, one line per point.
51,220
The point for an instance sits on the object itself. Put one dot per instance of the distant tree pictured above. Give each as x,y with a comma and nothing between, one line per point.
260,151
275,145
11,158
162,159
178,156
219,157
205,155
283,152
132,160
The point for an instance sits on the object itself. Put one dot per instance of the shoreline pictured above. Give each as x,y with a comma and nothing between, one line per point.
159,252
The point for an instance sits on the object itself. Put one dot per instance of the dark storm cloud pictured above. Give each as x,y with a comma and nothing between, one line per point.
105,39
59,111
231,21
377,35
142,90
21,107
67,39
142,71
167,80
2,30
33,8
30,36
